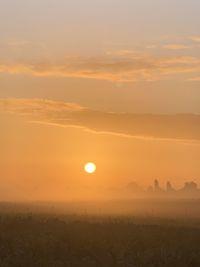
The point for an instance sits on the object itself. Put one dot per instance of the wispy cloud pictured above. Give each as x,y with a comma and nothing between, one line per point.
195,38
126,63
195,79
125,66
176,46
174,127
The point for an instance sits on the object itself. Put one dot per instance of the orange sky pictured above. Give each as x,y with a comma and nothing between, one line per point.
113,82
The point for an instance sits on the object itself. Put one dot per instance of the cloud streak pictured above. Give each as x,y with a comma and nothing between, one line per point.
148,126
121,66
195,38
176,46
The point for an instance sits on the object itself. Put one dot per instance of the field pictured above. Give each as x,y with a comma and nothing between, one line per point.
47,240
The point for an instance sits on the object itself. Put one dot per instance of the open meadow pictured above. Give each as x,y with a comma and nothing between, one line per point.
60,240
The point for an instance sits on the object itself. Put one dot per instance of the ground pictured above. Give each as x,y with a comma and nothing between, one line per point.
28,240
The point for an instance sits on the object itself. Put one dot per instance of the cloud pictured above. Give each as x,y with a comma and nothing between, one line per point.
195,79
176,46
195,38
118,66
148,126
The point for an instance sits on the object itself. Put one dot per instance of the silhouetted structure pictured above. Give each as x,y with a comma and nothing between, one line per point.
169,188
157,187
190,189
134,187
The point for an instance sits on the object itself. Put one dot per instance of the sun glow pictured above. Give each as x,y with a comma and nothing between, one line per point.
90,167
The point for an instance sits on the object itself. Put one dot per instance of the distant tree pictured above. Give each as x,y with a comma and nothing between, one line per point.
193,186
156,185
190,187
134,187
169,187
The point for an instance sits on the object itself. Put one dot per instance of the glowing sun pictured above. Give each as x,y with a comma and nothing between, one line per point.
90,167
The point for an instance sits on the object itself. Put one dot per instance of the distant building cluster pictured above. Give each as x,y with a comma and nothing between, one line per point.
190,189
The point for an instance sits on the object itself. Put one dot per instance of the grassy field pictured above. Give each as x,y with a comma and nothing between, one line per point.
51,241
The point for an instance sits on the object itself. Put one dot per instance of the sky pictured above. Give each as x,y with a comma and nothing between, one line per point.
113,82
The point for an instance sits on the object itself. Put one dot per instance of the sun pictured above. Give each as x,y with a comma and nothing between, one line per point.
90,167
